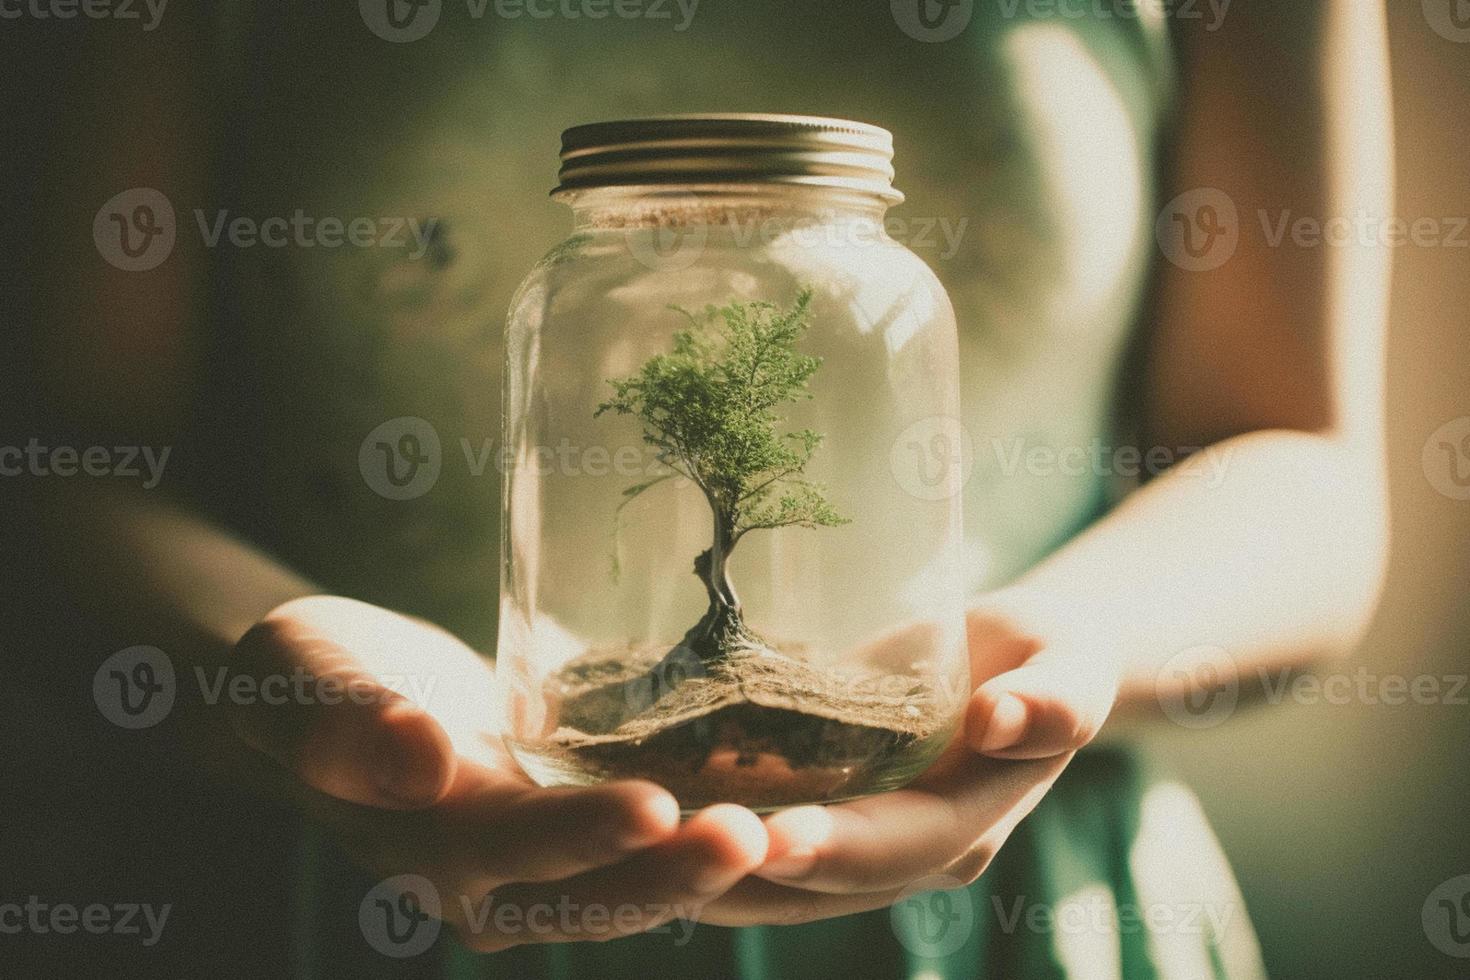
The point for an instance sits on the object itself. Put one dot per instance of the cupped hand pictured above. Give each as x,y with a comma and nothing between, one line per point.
1036,702
389,739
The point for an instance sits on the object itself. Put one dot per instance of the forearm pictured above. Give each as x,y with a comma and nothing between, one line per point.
95,571
1269,546
143,570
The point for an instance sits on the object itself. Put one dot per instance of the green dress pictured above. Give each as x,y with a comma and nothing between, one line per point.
1027,147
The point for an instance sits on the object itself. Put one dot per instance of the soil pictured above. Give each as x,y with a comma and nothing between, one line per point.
759,727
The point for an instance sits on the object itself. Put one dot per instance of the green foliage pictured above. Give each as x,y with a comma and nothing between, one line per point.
711,408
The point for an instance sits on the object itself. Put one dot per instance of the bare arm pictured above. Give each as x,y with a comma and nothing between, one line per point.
1272,361
1270,544
403,784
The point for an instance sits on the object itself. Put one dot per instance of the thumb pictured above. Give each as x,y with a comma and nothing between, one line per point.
326,718
1049,705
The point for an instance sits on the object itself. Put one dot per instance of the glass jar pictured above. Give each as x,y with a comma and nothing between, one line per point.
722,570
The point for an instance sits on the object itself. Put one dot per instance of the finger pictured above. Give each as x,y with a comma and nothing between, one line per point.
712,851
755,901
1047,706
551,834
495,827
329,721
953,824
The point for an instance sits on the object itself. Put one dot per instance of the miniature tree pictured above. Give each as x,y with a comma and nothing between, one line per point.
710,408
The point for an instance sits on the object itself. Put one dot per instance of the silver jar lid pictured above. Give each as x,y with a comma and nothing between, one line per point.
729,148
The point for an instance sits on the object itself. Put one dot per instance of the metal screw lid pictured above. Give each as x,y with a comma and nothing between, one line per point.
729,148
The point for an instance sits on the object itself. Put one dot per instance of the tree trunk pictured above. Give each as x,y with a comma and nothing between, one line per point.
722,628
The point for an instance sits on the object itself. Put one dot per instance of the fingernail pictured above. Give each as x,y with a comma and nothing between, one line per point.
1006,726
657,819
796,836
734,843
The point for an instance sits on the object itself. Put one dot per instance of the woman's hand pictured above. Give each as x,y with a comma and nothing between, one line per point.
1036,703
403,764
